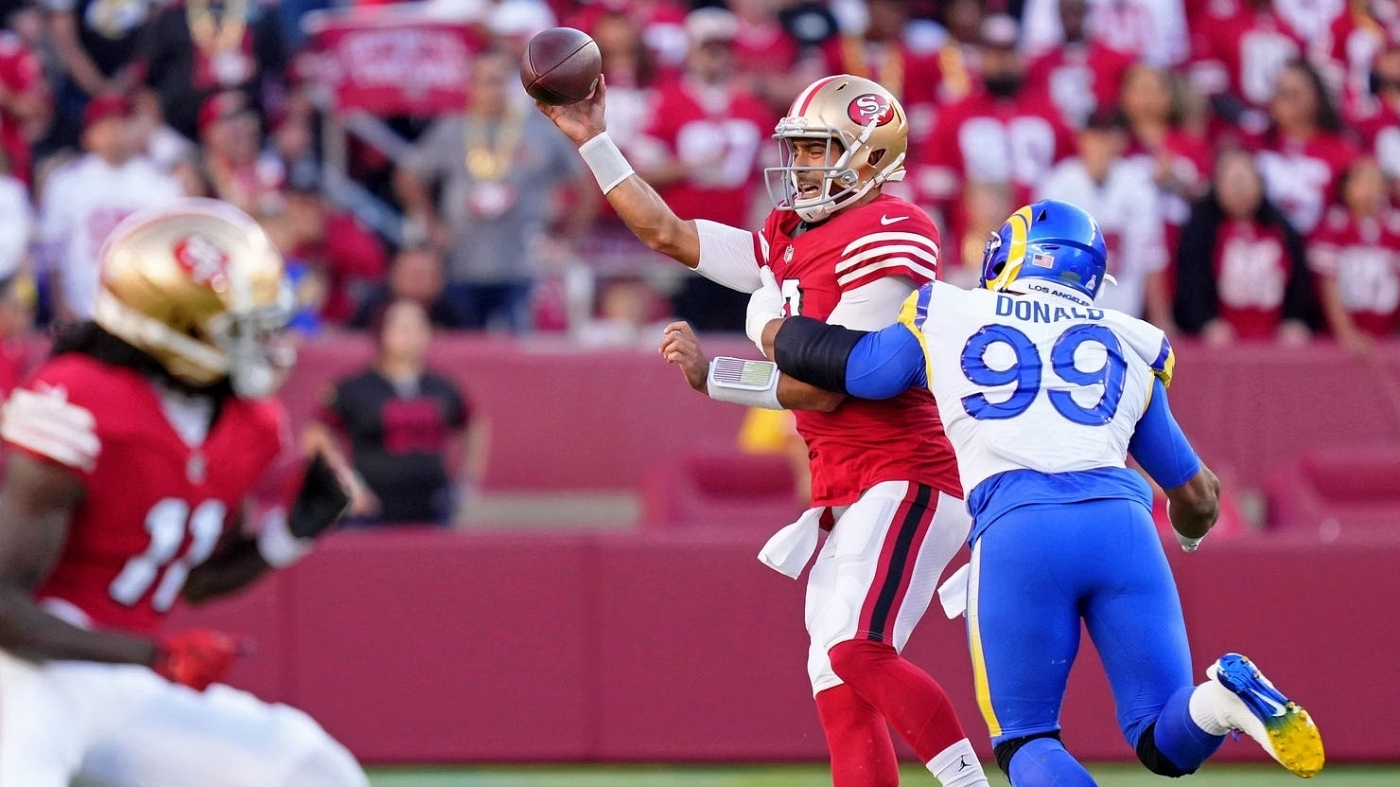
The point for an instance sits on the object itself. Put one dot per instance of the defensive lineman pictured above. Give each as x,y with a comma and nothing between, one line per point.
1044,396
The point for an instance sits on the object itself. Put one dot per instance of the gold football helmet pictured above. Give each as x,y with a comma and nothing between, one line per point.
871,134
199,286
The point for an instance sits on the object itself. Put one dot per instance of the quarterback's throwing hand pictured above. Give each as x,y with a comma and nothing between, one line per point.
680,347
195,658
580,121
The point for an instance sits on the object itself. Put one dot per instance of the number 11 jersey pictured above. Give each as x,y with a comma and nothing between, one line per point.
154,507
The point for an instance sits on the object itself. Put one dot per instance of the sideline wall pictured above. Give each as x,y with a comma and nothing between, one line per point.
425,646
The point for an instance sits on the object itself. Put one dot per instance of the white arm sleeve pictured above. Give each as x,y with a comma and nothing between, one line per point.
18,227
872,306
728,255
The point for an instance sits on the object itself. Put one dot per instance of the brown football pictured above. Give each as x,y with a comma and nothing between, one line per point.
561,65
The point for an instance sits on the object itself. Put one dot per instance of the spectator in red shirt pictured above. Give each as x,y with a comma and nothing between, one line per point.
1356,256
1236,61
234,168
1380,127
879,52
1351,45
1305,149
1080,75
1178,156
344,253
25,104
1001,134
701,153
766,56
1241,268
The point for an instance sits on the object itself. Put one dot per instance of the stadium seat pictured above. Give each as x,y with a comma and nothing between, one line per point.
721,487
1338,492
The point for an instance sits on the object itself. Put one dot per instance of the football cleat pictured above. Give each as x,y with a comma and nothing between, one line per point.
1281,726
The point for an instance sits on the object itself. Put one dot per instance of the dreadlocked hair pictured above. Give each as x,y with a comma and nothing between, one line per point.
90,339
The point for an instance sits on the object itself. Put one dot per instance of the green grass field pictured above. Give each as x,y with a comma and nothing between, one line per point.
815,776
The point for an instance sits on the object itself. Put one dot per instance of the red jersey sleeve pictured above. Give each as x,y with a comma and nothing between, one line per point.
55,417
900,240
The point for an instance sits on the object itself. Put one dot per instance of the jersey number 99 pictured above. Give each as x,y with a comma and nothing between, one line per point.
1027,373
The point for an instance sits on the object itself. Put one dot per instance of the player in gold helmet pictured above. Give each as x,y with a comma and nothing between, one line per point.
132,456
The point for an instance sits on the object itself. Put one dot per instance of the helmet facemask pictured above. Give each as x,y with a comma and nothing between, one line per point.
257,352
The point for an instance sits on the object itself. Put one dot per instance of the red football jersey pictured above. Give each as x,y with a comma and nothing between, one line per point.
861,443
1363,255
1251,275
1300,175
153,507
720,133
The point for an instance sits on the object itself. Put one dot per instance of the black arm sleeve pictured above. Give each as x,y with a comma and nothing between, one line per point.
814,352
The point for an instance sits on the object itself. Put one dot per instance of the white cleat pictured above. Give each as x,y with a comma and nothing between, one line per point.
1281,726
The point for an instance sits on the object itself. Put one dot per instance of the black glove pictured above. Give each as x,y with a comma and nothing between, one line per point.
321,501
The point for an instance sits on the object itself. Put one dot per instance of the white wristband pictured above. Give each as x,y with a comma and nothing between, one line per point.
608,164
751,383
1188,544
278,547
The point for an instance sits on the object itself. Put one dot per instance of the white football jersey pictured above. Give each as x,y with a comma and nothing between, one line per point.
1034,381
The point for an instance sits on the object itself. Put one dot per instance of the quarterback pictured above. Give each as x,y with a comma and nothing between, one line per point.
884,479
1044,397
145,465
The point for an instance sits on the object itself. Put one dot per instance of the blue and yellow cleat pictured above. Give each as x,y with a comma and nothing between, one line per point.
1281,726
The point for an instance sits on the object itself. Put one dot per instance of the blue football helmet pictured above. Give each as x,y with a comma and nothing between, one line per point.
1050,240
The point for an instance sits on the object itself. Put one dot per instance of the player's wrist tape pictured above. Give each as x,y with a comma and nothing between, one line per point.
1188,544
278,547
607,163
751,383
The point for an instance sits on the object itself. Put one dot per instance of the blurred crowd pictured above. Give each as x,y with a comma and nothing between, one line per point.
1241,155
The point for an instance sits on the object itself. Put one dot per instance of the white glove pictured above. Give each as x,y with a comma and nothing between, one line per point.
765,304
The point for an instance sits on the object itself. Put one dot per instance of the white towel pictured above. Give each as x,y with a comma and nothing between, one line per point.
791,549
953,593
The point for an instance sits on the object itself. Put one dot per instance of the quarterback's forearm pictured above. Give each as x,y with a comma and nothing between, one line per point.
653,222
232,568
27,631
637,203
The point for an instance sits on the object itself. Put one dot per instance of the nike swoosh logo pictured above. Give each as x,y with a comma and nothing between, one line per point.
1279,710
887,221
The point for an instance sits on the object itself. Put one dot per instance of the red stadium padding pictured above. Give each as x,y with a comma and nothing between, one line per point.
565,419
1343,492
432,646
721,486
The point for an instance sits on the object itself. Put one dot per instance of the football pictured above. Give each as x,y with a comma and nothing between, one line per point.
561,65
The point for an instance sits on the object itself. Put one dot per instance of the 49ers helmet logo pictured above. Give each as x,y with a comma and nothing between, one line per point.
203,260
869,106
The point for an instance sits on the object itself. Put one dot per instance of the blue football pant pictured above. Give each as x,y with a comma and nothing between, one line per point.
1036,572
